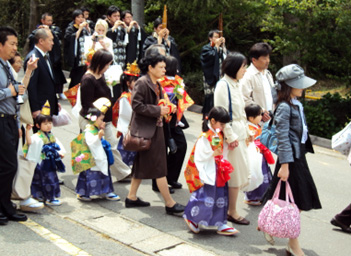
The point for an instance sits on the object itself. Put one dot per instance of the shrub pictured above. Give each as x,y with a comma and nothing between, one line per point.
327,116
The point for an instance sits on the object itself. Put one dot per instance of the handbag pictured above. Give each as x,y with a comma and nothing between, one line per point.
26,113
342,140
134,143
280,218
63,118
23,179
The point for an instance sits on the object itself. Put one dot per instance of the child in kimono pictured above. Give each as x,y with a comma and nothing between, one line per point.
254,117
47,151
207,174
122,110
91,157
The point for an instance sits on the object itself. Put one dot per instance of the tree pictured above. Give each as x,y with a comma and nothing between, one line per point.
138,11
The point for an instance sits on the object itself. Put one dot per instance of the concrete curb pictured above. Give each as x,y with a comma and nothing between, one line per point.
130,233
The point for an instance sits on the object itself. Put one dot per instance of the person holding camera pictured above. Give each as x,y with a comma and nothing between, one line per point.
10,125
74,52
212,56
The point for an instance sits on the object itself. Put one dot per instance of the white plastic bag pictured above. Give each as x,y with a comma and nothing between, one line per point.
255,167
342,140
63,118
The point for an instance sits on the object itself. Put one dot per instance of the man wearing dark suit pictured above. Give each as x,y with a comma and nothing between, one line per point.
42,83
55,53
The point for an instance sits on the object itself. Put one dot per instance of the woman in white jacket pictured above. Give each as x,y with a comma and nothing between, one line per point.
228,95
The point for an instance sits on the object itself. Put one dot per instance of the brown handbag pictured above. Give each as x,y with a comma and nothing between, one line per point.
134,143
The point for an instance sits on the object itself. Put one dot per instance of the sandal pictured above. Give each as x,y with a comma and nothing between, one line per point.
226,230
269,238
31,205
239,221
84,198
192,226
112,197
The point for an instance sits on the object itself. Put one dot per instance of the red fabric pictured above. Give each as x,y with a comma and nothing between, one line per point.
224,168
267,154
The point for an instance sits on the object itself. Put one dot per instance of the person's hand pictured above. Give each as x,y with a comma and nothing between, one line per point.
29,127
36,113
251,138
266,117
217,152
164,110
218,42
59,107
223,40
233,145
62,155
83,25
283,172
21,89
101,133
20,133
32,64
13,90
103,44
166,33
134,23
118,23
44,26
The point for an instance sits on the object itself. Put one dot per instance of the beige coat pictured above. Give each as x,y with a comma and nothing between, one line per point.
252,86
238,129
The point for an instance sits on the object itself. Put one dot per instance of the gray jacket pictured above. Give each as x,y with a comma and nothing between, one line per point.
289,132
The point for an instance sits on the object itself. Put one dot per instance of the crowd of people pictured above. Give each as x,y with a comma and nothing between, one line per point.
148,102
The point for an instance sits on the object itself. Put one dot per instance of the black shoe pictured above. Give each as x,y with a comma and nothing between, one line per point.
61,182
17,217
171,190
175,185
3,219
136,203
344,227
177,208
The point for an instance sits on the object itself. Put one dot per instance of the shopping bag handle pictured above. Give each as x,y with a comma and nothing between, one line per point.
288,192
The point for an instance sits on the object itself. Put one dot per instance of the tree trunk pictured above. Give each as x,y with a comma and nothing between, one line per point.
138,11
33,17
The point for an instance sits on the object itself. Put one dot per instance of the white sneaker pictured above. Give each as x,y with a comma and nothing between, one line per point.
63,96
31,205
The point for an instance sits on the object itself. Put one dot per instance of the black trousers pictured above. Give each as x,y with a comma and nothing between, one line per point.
8,162
345,216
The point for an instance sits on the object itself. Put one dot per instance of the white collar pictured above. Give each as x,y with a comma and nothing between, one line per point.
252,69
252,124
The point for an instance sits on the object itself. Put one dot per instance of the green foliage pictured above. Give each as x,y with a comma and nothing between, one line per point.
327,116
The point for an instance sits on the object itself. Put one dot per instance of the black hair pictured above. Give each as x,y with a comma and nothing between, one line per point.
152,60
6,31
253,110
12,60
76,13
85,9
212,32
39,119
260,49
219,114
123,14
157,22
126,78
171,66
93,112
154,49
45,15
232,63
112,9
99,60
40,33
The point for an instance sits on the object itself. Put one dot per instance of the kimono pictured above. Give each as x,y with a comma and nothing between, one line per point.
206,177
122,114
119,43
46,151
257,194
91,157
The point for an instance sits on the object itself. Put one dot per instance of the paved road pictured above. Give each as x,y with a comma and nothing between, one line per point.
108,228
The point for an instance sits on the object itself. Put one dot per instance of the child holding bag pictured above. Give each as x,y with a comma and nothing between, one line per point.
91,157
254,116
47,151
207,174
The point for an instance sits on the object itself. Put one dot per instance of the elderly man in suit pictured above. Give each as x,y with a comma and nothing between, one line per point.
42,83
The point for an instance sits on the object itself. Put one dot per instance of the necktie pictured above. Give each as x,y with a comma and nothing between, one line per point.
46,58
